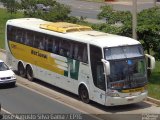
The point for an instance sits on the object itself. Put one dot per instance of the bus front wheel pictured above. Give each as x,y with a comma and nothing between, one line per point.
29,73
21,70
83,94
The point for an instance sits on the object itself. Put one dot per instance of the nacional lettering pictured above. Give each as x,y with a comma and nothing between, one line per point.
37,53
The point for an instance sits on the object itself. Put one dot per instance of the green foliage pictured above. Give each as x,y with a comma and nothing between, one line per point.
3,19
154,82
106,28
11,5
118,21
56,12
113,16
149,30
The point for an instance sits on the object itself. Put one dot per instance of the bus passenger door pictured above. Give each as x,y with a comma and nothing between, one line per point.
99,84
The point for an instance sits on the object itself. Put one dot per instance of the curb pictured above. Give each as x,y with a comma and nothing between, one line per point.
153,100
150,99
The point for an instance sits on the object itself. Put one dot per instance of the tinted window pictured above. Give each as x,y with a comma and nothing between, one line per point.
61,46
97,67
3,66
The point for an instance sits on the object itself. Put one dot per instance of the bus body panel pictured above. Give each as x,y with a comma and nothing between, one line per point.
110,101
72,65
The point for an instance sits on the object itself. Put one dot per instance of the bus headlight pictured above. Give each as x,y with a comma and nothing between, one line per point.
113,94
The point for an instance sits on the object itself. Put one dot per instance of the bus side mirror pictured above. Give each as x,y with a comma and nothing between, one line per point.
151,62
106,66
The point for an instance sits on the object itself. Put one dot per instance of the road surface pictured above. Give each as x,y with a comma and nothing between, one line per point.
39,97
92,9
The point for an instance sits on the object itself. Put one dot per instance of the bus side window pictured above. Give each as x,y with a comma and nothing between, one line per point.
50,45
97,67
45,43
53,45
18,35
10,33
85,54
30,38
75,56
71,50
60,50
41,45
66,47
80,52
22,37
38,40
56,46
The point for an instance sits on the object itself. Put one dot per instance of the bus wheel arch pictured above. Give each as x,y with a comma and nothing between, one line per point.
29,72
21,69
83,93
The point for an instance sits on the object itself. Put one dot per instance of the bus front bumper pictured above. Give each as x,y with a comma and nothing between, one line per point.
113,101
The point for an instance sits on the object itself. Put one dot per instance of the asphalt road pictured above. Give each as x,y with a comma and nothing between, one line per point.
92,9
22,100
38,97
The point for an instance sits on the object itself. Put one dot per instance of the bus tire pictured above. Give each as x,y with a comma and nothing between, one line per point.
21,70
83,94
29,73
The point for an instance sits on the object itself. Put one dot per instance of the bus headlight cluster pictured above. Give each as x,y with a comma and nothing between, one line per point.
113,94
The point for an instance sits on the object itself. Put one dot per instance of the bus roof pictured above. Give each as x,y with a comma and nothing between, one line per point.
88,35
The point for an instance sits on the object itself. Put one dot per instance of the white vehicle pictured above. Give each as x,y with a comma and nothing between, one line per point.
7,76
102,67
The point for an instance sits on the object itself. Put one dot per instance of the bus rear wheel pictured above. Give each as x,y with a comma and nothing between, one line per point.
21,70
29,73
83,94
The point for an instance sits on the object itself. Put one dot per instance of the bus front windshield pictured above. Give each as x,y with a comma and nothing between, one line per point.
127,67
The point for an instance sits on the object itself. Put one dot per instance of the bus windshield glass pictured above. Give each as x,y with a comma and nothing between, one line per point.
127,66
122,52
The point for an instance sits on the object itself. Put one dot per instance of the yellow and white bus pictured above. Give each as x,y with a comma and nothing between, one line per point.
105,68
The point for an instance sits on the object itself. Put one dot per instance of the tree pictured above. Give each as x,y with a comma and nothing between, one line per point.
118,20
11,5
149,30
55,12
112,16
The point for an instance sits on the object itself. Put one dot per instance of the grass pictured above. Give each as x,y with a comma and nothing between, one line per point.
154,81
4,16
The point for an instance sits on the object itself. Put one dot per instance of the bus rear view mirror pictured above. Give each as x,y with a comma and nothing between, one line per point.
151,62
106,66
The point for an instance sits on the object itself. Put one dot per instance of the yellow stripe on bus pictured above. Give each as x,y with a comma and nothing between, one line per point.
134,90
35,56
